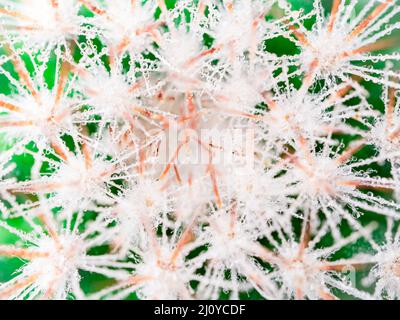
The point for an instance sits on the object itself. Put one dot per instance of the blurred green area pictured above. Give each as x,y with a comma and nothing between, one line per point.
93,282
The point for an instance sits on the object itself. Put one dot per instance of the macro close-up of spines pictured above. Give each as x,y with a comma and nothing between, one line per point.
199,149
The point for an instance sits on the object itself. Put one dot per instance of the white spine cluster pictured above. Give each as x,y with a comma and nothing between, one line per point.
176,152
